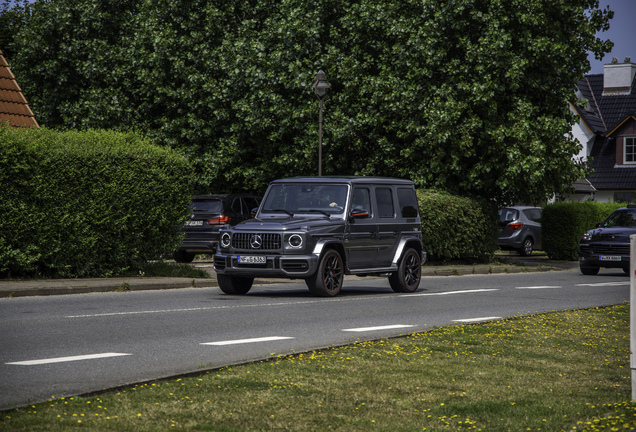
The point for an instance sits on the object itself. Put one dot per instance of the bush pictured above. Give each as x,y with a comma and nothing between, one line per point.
455,227
95,203
563,224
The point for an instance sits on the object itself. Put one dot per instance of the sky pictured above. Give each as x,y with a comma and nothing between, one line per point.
622,32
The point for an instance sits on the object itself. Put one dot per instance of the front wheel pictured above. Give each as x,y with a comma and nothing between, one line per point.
234,285
327,281
407,277
589,271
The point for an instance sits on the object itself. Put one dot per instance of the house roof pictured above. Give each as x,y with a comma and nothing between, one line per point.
14,108
607,175
603,116
605,113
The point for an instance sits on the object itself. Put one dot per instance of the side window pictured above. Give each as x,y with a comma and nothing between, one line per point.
236,206
361,200
408,202
384,198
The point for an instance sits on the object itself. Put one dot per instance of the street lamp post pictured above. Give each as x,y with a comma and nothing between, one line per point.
320,87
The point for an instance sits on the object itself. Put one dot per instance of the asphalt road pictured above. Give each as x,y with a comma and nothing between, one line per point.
74,344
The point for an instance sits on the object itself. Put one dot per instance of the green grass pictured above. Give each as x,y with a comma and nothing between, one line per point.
563,371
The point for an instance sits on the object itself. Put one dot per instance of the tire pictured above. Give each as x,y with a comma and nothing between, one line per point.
409,273
526,247
327,281
589,271
233,285
183,256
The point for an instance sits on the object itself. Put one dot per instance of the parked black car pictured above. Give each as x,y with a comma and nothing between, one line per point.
520,229
209,214
608,244
321,228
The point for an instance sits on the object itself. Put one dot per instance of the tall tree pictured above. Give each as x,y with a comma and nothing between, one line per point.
466,95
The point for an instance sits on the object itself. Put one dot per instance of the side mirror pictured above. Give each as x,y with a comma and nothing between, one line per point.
359,213
254,211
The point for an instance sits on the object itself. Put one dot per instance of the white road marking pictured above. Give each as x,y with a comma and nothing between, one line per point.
477,319
252,340
540,287
241,306
600,284
451,292
67,359
386,327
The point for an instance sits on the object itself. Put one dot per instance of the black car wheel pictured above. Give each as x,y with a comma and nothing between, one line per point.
589,271
407,278
327,281
234,285
526,247
183,256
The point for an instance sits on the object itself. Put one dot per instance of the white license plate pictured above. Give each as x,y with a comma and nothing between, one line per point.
251,259
609,258
194,223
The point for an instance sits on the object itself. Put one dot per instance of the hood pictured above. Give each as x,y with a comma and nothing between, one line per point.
287,223
613,234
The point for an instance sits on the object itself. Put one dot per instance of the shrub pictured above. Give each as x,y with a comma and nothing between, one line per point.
456,227
563,224
93,203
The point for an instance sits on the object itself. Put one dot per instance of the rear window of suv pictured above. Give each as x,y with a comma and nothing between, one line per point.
408,202
208,206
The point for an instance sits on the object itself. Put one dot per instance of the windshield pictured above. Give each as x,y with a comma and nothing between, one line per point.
621,218
290,199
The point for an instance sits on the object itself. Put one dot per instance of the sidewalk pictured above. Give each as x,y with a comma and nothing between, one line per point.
40,287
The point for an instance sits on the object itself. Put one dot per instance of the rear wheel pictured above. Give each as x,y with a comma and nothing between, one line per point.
407,277
234,285
526,247
327,281
589,271
183,256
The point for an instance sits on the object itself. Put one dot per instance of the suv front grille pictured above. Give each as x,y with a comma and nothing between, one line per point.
614,249
256,241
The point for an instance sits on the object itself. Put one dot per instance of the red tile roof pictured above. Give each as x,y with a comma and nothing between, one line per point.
14,108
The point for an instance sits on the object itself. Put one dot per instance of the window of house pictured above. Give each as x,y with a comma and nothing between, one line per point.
629,150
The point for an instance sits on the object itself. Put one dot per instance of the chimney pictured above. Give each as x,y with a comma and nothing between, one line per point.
618,77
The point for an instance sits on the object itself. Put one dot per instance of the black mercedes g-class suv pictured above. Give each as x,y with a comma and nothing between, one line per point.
321,228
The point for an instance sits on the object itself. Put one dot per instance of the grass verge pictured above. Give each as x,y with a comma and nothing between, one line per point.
168,269
562,371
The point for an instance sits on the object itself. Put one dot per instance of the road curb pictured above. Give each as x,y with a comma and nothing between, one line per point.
48,287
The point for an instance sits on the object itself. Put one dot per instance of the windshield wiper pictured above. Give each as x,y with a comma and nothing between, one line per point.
318,211
280,210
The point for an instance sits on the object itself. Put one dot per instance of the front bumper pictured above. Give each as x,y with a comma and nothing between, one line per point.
275,266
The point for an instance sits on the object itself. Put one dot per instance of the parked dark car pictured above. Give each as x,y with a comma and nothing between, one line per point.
322,228
608,244
209,214
520,229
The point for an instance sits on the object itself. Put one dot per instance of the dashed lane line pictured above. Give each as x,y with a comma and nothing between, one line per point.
386,327
67,359
246,341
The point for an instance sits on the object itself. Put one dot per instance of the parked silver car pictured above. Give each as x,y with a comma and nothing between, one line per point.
520,229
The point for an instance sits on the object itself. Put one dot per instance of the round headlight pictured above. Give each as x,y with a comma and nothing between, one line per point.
295,241
587,236
226,239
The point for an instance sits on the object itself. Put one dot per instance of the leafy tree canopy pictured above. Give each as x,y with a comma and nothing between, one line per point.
470,96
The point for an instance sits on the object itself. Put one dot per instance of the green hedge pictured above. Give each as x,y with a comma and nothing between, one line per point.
455,227
95,203
563,224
